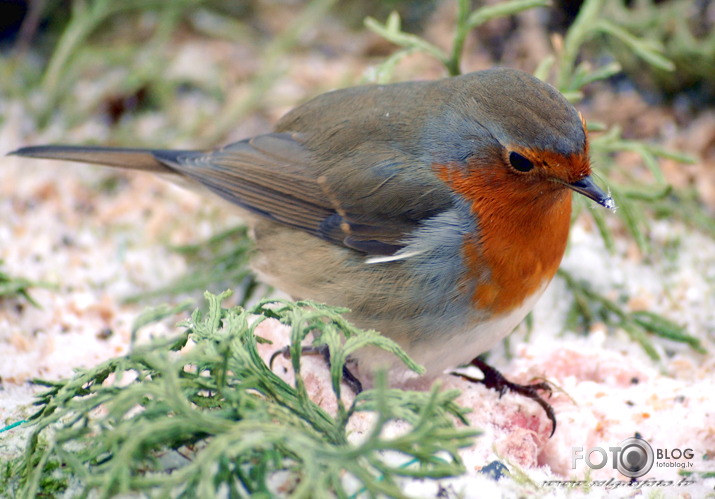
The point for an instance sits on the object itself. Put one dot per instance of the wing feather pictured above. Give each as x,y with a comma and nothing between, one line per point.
273,175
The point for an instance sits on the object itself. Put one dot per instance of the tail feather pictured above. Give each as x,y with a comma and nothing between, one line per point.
134,159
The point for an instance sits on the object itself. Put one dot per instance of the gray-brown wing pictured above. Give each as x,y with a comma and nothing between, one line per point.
273,175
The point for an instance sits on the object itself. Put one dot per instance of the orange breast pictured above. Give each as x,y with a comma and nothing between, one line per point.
521,236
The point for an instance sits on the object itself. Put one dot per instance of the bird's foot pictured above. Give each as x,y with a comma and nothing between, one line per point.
348,377
495,380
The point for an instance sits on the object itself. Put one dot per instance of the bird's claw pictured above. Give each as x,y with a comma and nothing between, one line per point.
348,377
495,380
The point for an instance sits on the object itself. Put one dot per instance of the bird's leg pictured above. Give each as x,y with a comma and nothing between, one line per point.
496,380
348,377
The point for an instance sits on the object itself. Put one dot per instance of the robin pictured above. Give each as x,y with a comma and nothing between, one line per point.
437,212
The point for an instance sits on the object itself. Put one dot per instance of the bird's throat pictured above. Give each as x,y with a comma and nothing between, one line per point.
521,235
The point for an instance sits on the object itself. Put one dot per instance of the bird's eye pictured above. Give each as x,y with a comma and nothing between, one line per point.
519,162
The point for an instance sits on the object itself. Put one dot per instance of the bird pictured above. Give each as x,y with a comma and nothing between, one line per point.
437,211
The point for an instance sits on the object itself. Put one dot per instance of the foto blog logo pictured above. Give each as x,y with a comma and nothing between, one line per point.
633,457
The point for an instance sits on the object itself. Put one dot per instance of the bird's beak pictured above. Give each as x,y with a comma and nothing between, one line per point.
588,188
